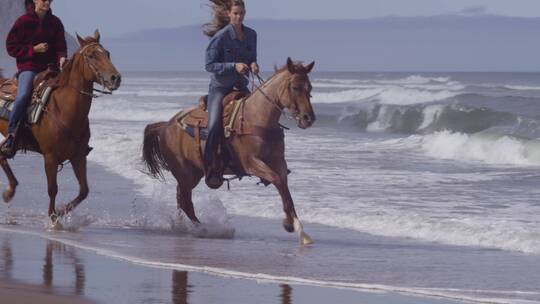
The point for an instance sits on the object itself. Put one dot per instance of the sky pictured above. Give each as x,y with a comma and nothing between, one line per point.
116,17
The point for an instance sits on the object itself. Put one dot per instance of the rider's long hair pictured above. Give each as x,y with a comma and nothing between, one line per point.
29,3
220,12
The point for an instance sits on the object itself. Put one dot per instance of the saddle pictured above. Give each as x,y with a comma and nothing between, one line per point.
44,83
195,120
199,116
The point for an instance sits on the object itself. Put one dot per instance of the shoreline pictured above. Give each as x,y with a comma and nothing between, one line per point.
66,274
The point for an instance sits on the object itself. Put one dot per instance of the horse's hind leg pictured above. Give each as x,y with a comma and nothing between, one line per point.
184,202
10,190
79,168
184,190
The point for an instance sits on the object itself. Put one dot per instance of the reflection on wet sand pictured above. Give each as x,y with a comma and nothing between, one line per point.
7,259
66,257
180,287
286,294
181,290
68,254
60,270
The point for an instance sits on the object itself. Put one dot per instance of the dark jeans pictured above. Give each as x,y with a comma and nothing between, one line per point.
24,93
215,122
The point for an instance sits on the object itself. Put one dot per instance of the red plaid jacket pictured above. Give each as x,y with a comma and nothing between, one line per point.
28,31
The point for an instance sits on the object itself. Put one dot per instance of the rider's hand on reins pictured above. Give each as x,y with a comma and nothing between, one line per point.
255,68
241,68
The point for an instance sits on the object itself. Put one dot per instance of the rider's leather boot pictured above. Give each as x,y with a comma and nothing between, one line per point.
214,172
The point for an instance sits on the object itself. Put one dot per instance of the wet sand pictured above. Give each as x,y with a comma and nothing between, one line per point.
35,268
17,293
51,272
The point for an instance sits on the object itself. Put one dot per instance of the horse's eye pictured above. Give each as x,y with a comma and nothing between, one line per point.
296,88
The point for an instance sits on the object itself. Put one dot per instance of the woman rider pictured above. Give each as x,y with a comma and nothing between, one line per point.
231,54
37,41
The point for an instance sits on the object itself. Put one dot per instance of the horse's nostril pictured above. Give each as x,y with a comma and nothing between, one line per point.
116,79
306,117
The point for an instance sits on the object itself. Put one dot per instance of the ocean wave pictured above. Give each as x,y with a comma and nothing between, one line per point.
412,79
487,148
411,119
155,93
385,95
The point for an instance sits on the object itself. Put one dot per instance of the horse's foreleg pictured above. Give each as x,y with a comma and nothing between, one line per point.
10,190
79,168
291,222
51,167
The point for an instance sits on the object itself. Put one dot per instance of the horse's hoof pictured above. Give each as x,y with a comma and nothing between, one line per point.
288,226
55,222
8,196
305,239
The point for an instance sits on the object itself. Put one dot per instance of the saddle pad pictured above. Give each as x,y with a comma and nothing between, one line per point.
34,110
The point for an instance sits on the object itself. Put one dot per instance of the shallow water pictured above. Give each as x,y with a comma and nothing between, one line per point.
418,183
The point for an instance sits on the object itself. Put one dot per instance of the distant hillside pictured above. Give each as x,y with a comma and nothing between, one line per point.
440,43
10,10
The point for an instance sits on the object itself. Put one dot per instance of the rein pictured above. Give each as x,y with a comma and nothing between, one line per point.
268,99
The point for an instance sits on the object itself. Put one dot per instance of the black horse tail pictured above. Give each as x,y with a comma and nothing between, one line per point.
152,156
1,74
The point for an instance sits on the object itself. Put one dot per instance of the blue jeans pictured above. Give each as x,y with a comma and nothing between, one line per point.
215,122
24,93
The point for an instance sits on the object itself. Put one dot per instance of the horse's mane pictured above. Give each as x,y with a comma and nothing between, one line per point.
63,78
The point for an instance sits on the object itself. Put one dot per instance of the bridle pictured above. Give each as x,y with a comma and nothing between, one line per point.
294,115
97,74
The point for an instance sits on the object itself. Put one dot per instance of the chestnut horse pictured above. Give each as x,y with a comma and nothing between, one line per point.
63,132
168,146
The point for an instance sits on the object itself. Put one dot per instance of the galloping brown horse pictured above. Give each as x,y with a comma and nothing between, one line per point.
63,132
257,146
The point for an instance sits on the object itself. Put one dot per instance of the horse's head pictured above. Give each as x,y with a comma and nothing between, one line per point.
97,63
297,93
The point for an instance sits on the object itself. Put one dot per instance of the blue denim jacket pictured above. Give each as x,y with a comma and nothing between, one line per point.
224,50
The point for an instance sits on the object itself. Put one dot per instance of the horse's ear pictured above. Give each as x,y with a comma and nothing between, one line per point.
290,66
97,35
82,42
309,67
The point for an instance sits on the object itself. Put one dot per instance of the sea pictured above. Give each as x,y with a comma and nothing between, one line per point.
424,184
